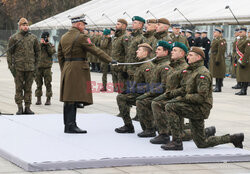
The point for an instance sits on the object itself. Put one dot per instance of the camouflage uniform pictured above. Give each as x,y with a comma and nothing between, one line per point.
135,39
118,52
22,60
44,70
173,89
105,45
179,38
161,36
125,101
149,37
194,105
143,105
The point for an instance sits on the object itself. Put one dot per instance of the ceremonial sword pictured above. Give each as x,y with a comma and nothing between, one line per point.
134,63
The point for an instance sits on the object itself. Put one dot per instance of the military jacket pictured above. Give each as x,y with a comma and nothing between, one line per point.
106,45
46,60
190,41
243,63
179,38
25,54
217,65
149,37
161,36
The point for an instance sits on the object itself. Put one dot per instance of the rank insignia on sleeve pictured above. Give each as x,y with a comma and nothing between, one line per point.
147,69
202,77
166,68
89,41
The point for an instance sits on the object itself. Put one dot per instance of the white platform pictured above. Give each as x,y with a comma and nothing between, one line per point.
37,143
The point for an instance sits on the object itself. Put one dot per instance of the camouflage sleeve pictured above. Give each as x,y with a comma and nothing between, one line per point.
60,56
104,43
37,50
86,44
203,82
51,49
246,57
10,52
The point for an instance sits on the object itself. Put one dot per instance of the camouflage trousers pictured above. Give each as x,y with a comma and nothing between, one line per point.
43,74
117,77
125,102
162,123
23,82
104,69
145,114
178,110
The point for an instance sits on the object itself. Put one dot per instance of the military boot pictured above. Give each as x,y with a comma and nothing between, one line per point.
38,102
20,110
237,140
147,133
160,139
217,85
28,111
125,129
69,114
173,145
210,131
237,86
243,90
47,101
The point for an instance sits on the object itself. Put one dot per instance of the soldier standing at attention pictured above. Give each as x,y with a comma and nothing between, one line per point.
105,45
150,31
157,83
119,50
243,64
162,27
190,37
43,71
205,44
22,61
177,37
217,64
75,74
141,82
135,39
234,58
195,105
197,38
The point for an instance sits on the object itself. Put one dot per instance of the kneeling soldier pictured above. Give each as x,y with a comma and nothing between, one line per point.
195,105
142,77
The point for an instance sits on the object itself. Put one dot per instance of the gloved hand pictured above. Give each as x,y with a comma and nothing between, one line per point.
114,62
217,63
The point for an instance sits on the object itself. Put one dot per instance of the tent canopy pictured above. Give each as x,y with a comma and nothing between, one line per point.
104,13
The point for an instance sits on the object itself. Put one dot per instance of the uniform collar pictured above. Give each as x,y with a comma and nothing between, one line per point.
119,33
196,65
136,32
175,63
159,60
148,34
161,34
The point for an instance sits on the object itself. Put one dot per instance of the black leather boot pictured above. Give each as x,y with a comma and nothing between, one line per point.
79,105
20,110
38,102
218,85
48,101
28,111
237,140
243,90
69,113
237,86
125,129
147,133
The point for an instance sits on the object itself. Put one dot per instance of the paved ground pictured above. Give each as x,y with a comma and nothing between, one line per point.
230,114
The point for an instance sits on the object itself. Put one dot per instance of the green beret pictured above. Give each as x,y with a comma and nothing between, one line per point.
106,31
180,45
165,45
138,18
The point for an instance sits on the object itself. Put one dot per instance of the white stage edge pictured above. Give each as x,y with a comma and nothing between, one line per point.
37,143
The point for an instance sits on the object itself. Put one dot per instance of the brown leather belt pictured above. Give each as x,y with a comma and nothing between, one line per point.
75,59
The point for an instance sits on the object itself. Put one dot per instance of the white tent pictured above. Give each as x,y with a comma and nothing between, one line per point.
199,12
